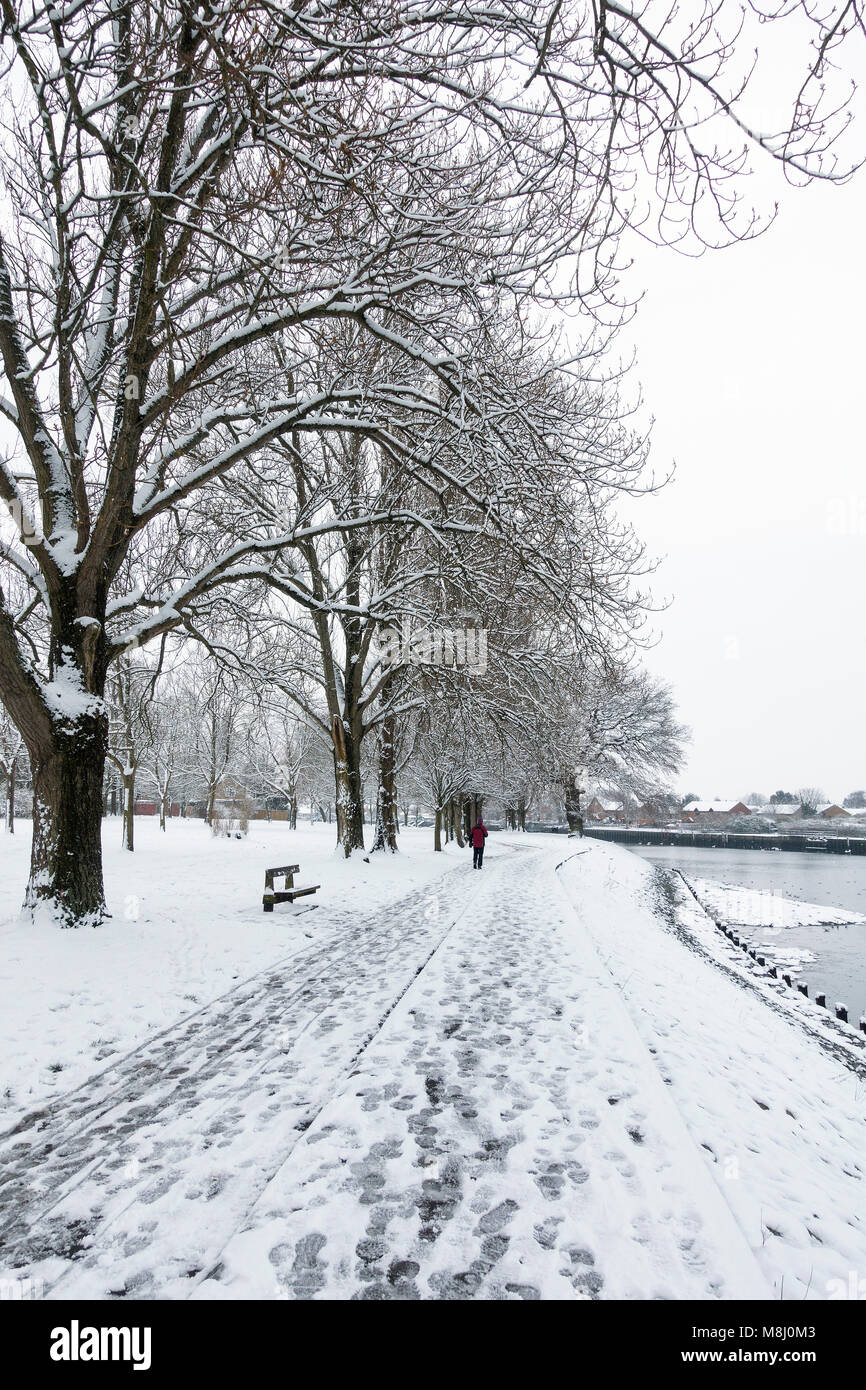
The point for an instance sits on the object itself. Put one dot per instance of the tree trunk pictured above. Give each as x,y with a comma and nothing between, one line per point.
437,830
387,814
129,809
10,797
458,824
66,858
572,808
347,775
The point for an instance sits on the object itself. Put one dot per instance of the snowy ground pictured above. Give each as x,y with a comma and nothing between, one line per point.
187,925
553,1079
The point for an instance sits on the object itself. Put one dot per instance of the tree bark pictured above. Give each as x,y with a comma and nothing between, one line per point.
572,807
437,830
66,858
10,797
347,775
129,809
387,814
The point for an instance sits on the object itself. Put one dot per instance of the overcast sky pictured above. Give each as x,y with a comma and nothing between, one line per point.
752,363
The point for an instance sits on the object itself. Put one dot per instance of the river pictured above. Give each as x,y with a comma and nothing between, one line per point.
839,968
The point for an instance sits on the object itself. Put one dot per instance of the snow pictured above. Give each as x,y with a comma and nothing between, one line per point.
187,925
552,1079
66,698
749,907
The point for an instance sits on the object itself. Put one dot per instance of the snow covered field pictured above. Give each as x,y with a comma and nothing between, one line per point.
553,1079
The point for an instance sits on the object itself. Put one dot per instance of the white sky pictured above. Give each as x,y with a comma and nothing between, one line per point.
751,361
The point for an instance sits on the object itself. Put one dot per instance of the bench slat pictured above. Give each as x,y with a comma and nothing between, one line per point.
285,895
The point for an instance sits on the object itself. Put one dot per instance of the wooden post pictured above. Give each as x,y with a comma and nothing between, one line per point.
803,988
821,1000
842,1012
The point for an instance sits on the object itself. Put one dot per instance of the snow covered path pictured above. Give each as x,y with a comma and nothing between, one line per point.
543,1081
205,1111
507,1134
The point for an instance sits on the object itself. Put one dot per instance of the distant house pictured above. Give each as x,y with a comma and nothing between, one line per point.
603,810
830,811
783,810
695,810
151,808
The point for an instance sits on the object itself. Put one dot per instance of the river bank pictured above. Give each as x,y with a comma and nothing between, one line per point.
831,954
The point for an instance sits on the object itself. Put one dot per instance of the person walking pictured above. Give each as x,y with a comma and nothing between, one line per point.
477,836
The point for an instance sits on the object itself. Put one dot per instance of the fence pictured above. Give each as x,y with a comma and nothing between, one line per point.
728,839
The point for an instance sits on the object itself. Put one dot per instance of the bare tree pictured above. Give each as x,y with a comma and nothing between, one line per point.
131,730
12,755
810,798
194,194
279,751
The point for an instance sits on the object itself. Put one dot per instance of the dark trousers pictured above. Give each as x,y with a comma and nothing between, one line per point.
477,856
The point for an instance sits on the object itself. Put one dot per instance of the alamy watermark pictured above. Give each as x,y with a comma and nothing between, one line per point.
455,648
18,1290
853,1287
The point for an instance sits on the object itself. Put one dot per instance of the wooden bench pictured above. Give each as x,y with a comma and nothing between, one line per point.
288,892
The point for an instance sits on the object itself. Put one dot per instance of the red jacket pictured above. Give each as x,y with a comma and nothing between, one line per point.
478,835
